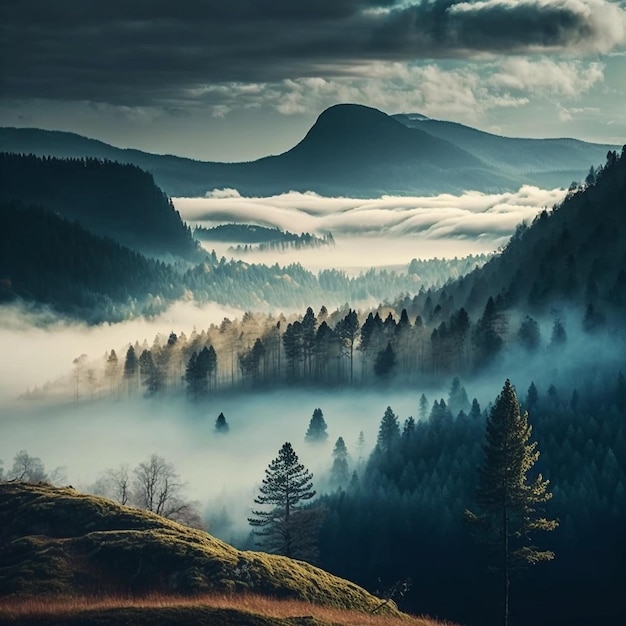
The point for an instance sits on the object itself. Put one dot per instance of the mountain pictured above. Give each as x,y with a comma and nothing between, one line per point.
60,544
352,150
115,200
544,162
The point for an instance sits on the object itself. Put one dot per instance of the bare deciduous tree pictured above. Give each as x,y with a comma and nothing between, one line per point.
157,487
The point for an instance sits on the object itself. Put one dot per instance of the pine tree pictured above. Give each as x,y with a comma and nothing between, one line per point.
131,367
509,500
423,410
475,412
221,425
389,431
348,331
287,528
339,472
191,376
385,361
317,428
111,370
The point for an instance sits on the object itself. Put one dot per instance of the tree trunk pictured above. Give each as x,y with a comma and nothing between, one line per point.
505,546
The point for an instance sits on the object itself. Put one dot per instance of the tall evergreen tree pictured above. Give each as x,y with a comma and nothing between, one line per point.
339,472
191,376
348,330
389,431
385,361
287,528
131,367
317,428
508,498
111,370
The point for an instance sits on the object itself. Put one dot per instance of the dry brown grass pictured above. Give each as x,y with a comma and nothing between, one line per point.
16,609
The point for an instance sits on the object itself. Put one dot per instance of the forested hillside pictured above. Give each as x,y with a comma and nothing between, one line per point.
45,259
110,199
401,514
574,254
48,260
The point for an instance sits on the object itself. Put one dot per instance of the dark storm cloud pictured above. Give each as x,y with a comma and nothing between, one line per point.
158,51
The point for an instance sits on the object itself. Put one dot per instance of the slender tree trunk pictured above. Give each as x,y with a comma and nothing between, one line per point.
505,546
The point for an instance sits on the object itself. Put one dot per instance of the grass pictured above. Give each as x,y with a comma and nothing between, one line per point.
224,609
71,559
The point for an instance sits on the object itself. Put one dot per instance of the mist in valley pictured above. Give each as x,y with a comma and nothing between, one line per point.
218,469
221,471
377,232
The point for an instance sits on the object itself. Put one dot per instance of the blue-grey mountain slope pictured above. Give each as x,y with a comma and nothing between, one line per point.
352,150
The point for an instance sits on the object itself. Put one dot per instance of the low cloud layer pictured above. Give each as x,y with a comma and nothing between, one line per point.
472,215
153,51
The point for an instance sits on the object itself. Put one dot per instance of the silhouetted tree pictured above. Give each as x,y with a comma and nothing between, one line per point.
221,425
317,427
508,498
348,330
385,361
287,527
339,472
131,367
388,431
529,335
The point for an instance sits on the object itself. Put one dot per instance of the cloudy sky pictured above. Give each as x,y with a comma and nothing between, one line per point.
237,79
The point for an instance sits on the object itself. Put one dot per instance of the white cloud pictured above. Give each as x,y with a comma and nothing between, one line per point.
466,94
546,76
494,215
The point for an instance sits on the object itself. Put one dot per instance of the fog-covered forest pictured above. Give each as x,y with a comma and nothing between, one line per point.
385,384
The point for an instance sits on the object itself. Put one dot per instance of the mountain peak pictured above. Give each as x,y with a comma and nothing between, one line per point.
352,112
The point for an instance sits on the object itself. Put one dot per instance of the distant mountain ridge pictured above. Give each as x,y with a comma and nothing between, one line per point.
514,155
352,150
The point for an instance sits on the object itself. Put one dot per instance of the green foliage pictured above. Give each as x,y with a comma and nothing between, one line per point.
388,431
508,498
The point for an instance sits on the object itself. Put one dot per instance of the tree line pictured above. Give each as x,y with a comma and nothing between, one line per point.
328,349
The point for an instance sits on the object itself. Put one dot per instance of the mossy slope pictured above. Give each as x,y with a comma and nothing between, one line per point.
56,541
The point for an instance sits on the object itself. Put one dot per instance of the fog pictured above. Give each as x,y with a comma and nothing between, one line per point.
89,437
39,347
357,253
374,232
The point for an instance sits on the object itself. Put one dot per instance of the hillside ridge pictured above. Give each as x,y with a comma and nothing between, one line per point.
55,541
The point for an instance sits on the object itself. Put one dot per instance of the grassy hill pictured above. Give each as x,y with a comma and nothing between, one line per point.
70,558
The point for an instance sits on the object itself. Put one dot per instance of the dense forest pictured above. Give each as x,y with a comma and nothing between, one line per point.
407,503
118,201
548,312
421,337
46,259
